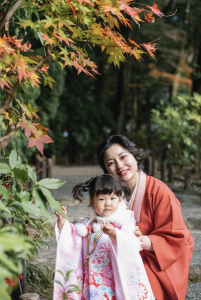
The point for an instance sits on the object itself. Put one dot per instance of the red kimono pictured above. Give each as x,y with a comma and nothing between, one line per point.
158,215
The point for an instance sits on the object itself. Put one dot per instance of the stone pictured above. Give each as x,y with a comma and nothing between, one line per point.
30,296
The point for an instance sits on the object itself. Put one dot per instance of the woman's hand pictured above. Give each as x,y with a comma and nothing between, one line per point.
144,239
61,218
110,231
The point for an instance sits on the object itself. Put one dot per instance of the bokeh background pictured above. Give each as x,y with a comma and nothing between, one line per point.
156,104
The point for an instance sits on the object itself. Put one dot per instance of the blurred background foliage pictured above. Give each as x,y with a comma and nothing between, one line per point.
150,102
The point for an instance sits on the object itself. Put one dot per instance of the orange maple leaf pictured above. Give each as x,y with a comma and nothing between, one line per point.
4,82
46,38
155,10
39,141
148,17
22,66
150,48
44,69
28,127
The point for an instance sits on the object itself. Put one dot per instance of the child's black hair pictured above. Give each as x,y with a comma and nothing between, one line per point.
104,184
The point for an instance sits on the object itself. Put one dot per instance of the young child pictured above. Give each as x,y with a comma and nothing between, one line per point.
102,250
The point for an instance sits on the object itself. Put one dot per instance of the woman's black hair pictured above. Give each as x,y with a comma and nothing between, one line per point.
122,140
104,184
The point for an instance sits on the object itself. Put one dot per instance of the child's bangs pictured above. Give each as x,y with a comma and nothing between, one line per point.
106,185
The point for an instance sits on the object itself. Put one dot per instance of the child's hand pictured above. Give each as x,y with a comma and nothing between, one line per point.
61,219
109,230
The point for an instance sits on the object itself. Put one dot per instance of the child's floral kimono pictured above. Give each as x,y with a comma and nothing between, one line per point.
103,269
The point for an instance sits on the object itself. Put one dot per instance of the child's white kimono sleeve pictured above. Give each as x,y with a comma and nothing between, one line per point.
68,257
131,281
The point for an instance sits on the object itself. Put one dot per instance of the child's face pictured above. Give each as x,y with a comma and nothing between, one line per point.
105,205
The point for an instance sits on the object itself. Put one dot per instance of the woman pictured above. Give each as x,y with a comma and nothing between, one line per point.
167,243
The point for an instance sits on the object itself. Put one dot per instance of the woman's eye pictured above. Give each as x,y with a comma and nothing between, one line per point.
123,156
109,164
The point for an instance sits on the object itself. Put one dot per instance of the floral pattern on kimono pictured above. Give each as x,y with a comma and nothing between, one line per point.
114,271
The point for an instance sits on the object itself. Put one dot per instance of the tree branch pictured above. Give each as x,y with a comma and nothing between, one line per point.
6,139
8,98
10,13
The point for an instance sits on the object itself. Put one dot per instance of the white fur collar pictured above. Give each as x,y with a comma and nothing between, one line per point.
117,217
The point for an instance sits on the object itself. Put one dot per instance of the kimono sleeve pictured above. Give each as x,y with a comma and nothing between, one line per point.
68,257
131,281
168,235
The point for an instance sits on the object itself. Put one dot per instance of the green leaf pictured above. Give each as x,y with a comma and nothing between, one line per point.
5,215
68,274
40,202
4,192
20,174
30,208
4,169
3,207
13,159
55,205
51,183
64,296
32,174
57,282
75,288
23,196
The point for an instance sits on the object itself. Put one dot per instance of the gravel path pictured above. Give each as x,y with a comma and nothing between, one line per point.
191,210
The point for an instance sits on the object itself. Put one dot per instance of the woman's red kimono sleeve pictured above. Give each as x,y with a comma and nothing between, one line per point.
162,222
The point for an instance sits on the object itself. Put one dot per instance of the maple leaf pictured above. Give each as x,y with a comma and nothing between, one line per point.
31,112
29,127
33,77
4,82
44,69
21,65
134,43
46,38
4,46
148,17
150,48
26,47
155,10
7,117
39,141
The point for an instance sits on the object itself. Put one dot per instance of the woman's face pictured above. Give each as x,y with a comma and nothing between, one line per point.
122,164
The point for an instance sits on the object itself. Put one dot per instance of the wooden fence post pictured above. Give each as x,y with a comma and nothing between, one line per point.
149,165
187,179
43,173
53,160
170,173
30,296
49,168
163,171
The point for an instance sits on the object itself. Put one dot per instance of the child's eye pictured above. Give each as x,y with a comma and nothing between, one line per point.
113,198
101,199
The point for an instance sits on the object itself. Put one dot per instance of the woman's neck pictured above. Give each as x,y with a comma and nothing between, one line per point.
133,182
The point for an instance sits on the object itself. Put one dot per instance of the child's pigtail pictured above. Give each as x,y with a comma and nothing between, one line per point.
126,190
80,188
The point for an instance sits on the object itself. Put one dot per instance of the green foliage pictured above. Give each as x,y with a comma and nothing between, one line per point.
179,123
29,208
67,289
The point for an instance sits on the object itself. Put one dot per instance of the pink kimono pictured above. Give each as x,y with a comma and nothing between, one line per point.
102,269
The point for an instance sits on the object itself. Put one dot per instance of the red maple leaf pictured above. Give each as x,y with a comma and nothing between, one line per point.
155,10
150,48
39,141
148,17
44,69
28,127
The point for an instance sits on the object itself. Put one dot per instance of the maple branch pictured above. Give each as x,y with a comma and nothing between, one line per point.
8,98
10,13
19,103
9,135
